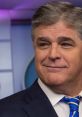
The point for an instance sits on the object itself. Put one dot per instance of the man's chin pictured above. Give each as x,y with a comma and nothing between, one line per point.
55,83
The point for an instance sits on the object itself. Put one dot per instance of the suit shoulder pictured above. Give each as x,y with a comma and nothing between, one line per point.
16,98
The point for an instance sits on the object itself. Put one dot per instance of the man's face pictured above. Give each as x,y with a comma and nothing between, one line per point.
58,54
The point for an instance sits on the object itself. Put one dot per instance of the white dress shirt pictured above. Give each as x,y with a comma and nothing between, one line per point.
61,109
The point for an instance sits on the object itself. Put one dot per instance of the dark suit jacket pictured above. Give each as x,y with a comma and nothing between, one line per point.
31,102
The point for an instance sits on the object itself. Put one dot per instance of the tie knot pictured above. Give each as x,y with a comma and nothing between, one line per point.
73,102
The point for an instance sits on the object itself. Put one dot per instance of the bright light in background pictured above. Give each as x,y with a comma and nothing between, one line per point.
4,14
24,9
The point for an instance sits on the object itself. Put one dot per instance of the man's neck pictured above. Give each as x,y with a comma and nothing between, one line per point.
66,89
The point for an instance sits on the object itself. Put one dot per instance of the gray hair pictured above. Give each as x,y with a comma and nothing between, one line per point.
53,12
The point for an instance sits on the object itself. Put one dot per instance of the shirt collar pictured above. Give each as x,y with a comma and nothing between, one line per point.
52,96
80,93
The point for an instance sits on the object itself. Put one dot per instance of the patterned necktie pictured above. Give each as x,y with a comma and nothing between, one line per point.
73,104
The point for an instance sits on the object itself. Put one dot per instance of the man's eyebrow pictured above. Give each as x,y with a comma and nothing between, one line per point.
65,39
43,39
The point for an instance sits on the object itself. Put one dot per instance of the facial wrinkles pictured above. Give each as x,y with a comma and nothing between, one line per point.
54,57
54,33
55,30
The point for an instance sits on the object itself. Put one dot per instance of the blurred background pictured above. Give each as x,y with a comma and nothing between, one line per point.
16,51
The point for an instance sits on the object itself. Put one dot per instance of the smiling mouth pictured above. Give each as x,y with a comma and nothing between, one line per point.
55,68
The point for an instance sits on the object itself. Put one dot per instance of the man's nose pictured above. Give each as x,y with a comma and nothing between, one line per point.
54,53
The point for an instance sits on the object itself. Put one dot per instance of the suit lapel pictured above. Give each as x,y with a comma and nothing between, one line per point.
39,105
39,109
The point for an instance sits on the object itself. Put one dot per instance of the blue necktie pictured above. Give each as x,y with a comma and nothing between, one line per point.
73,104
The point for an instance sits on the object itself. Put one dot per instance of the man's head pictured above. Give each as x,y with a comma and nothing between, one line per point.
58,45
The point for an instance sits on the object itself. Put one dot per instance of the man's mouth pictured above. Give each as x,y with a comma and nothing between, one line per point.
55,68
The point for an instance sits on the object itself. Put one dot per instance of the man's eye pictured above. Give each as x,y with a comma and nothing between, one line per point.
43,45
66,45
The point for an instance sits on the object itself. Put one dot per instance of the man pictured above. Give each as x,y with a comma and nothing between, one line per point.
57,40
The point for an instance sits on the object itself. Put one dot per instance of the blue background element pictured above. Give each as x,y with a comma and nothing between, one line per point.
30,74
